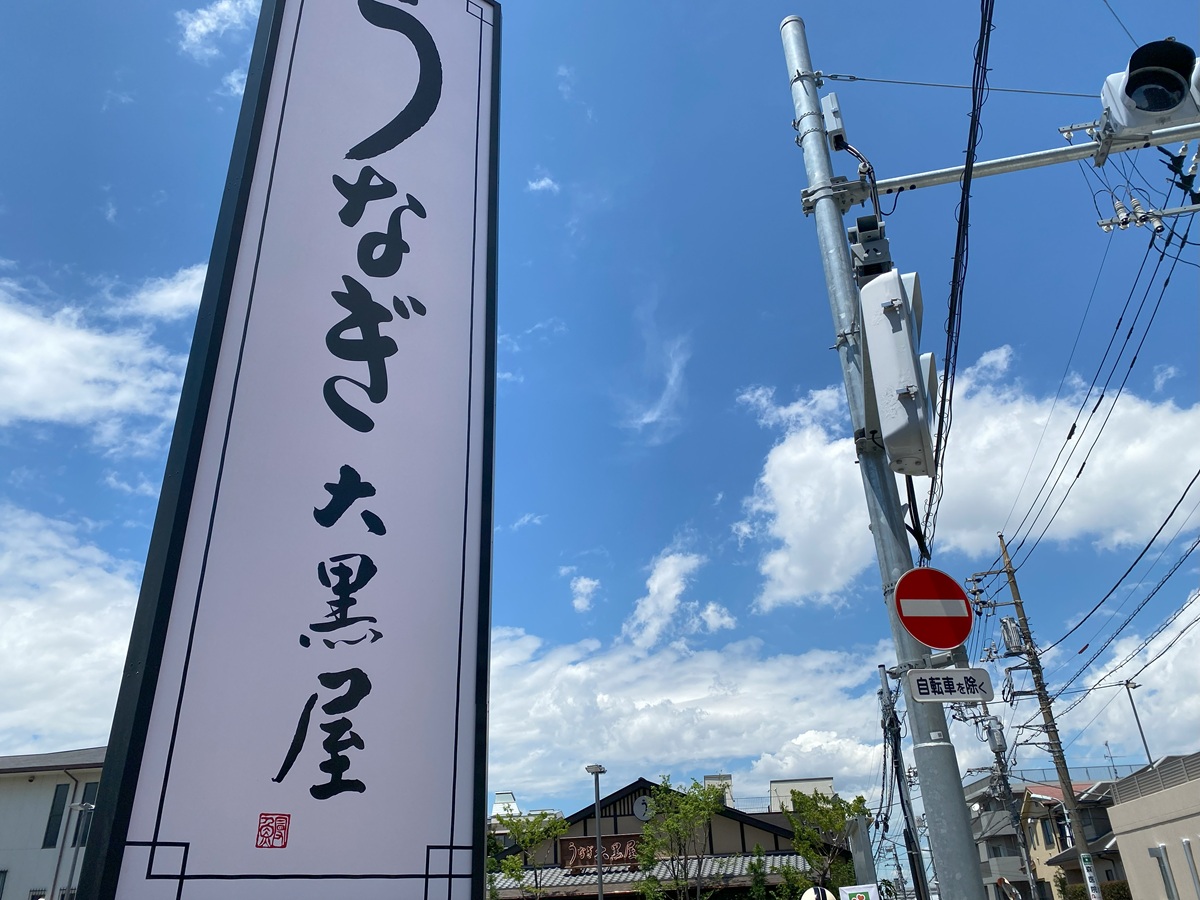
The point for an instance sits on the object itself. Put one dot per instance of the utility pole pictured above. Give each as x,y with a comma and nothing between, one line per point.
891,734
999,747
954,853
899,873
1078,838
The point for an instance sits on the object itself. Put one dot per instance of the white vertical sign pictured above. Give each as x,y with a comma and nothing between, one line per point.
315,727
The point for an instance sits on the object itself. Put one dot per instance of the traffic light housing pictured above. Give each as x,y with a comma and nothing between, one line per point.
903,382
1160,88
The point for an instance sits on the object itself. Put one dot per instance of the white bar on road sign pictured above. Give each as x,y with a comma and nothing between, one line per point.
951,685
934,606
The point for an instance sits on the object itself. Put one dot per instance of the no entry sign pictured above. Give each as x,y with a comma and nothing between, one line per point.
933,608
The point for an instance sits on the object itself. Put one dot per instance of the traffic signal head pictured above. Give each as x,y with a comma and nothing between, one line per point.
901,381
1160,88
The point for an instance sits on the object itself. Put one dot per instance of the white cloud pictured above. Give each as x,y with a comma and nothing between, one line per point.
670,710
176,296
118,98
582,591
659,420
716,617
1166,671
1113,503
527,519
538,333
808,506
566,81
543,183
143,488
653,613
56,368
203,26
67,608
233,84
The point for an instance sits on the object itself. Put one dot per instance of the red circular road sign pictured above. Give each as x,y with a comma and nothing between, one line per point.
933,608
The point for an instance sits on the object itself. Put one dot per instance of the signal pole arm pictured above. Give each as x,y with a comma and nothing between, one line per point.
856,192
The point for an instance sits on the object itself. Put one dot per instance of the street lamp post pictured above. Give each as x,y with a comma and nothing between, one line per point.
1129,685
83,821
596,770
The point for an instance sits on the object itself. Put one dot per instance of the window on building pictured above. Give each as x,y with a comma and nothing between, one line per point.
38,893
54,824
1164,869
66,894
1047,833
83,823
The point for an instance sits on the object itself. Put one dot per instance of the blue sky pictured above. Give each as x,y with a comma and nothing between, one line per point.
683,581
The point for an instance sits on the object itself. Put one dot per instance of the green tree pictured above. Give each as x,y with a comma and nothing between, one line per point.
677,835
757,867
792,883
1060,883
529,833
821,834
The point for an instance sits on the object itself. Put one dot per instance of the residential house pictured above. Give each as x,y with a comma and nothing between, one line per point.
994,826
566,867
1156,819
1051,848
45,815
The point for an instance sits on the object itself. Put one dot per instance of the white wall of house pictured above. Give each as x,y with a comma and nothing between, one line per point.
26,799
1166,821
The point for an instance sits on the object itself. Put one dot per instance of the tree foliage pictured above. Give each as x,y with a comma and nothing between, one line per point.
677,835
821,834
529,832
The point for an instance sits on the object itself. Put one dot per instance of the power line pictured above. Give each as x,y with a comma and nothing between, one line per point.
1125,575
1119,22
979,91
1117,631
963,87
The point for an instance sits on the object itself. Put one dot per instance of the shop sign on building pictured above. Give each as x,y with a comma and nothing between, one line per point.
304,704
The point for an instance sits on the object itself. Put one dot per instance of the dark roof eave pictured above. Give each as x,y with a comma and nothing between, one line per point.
87,758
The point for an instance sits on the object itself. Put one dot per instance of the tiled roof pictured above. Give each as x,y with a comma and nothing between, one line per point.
89,758
715,869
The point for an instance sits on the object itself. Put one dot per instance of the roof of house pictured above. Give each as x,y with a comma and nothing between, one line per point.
645,786
88,758
1103,844
1085,791
717,871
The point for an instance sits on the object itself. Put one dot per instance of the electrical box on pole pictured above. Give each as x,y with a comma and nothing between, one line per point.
903,380
1160,88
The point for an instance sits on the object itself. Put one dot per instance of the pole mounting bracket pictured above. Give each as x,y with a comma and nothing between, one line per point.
839,188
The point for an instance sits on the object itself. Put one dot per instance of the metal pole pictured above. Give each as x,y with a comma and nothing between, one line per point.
859,191
81,827
1128,685
598,770
1078,838
954,853
66,828
891,733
